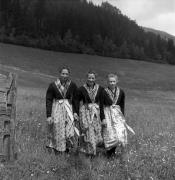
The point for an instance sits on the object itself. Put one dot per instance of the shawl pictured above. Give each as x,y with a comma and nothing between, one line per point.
113,95
92,92
62,88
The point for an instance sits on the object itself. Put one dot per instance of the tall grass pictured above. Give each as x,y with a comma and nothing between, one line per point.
150,154
150,104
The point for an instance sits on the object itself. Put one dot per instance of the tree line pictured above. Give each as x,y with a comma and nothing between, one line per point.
81,27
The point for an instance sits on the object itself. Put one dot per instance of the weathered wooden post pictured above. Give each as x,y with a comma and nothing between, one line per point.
8,93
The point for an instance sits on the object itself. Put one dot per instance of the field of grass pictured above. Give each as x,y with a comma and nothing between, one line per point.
150,102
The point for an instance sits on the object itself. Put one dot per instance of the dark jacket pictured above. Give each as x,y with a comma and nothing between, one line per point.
84,97
107,101
54,94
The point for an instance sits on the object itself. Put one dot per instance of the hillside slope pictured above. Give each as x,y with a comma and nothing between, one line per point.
150,102
162,34
132,74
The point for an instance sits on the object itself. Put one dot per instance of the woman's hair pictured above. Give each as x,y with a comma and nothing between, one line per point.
91,72
113,75
64,67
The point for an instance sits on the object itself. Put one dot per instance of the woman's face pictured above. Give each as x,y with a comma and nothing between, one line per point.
64,75
112,82
91,79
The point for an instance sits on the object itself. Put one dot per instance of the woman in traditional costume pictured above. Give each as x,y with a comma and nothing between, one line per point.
90,114
61,111
114,124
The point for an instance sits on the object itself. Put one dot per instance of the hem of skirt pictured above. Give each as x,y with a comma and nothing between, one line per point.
108,148
85,152
55,148
115,145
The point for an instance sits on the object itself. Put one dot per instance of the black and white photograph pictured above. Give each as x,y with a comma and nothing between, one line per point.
87,89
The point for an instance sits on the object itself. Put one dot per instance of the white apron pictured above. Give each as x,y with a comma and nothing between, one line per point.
90,124
116,128
63,130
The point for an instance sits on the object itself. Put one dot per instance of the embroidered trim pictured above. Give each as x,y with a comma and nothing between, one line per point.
62,89
92,92
113,96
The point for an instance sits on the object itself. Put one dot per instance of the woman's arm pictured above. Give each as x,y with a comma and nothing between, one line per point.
102,103
49,100
79,97
122,102
75,102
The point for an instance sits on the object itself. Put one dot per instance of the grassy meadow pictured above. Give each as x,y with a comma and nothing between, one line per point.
150,102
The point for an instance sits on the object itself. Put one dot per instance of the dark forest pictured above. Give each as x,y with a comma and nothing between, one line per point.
79,26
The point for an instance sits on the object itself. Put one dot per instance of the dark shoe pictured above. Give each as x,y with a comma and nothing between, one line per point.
49,149
111,153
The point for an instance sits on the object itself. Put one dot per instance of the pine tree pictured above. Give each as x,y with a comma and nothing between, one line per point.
39,15
124,51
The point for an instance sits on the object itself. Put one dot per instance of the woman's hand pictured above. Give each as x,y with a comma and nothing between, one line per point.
103,123
49,120
76,116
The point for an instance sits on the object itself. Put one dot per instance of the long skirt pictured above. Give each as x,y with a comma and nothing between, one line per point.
61,133
115,131
90,126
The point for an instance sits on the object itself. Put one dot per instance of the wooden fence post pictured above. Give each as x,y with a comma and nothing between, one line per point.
8,93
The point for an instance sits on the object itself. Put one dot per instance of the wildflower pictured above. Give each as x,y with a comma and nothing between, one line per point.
53,169
1,166
39,124
163,160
